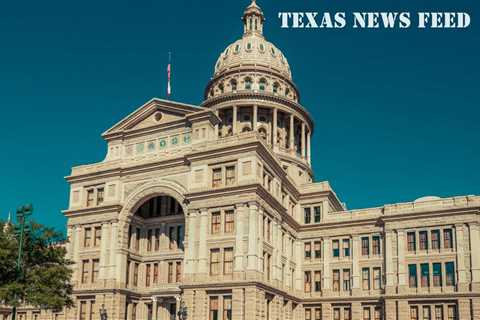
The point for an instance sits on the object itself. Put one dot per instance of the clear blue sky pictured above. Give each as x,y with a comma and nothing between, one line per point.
396,111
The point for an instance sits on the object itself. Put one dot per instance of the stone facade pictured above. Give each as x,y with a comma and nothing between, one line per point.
215,206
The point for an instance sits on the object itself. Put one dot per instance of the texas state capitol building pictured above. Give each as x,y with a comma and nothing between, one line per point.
214,205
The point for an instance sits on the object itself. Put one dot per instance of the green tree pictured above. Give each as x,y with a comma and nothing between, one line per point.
45,278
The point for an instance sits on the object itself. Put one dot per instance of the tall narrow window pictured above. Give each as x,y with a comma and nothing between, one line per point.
97,237
307,215
317,249
227,308
172,235
157,239
439,312
316,214
180,236
149,240
147,275
346,247
85,270
100,196
426,312
435,239
170,272
308,250
155,273
216,220
376,245
413,313
437,274
230,176
95,270
318,283
308,314
137,239
336,248
447,239
318,314
83,310
248,84
90,197
346,279
366,313
262,84
366,278
411,241
336,280
127,277
347,314
450,274
377,278
423,236
452,312
229,221
214,262
87,237
178,271
336,313
308,281
214,308
425,274
135,274
228,261
365,246
412,275
217,177
377,313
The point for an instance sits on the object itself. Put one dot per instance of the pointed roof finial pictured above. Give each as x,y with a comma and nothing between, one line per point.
253,19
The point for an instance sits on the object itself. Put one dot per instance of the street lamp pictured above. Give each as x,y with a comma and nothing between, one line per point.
103,313
182,310
22,214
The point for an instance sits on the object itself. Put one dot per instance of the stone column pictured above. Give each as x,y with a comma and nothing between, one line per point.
460,241
216,126
304,149
475,254
355,253
274,129
309,147
401,268
234,121
327,254
276,256
238,267
252,237
202,247
299,269
390,276
260,238
191,238
154,308
291,131
113,247
104,251
238,304
254,117
76,252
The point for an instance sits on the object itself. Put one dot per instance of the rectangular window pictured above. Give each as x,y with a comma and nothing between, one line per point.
318,314
170,272
336,280
90,197
172,235
155,273
308,281
214,262
347,314
346,279
308,314
439,312
346,247
230,176
216,222
426,312
447,239
425,275
316,214
87,237
95,270
435,239
377,278
227,308
437,274
214,308
85,270
423,236
308,250
147,276
149,240
228,261
127,280
137,239
135,274
178,271
83,310
377,313
376,245
157,239
365,246
180,236
411,241
318,281
412,275
97,237
307,215
229,221
413,313
336,313
452,312
366,278
100,196
366,313
317,249
217,177
336,248
450,274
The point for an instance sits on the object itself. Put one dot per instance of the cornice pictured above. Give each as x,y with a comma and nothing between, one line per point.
92,210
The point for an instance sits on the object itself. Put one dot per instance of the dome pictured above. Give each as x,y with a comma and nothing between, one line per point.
252,49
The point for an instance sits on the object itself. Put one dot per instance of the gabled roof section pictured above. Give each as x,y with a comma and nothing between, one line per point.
144,116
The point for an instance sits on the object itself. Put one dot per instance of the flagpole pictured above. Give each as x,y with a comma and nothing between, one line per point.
169,75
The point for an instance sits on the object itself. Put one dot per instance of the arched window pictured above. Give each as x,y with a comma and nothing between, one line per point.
158,207
262,84
275,87
220,88
233,84
248,84
287,92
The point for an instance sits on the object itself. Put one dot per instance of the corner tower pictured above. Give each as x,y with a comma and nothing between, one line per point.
252,90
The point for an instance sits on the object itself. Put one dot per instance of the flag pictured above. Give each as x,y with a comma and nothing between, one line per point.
169,75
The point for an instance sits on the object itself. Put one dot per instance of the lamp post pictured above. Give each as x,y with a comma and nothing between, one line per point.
22,213
103,313
182,310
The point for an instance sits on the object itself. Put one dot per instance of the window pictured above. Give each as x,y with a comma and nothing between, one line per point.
308,250
366,313
248,84
214,262
366,278
336,248
155,273
423,236
100,196
365,246
275,87
437,274
318,314
83,310
135,274
230,176
450,274
262,84
438,312
318,281
346,247
414,313
137,239
346,279
217,177
435,239
95,269
157,239
412,275
228,261
85,270
377,313
316,214
347,314
411,241
87,237
317,249
229,221
376,245
307,215
452,312
98,237
147,276
377,278
447,239
425,275
214,308
308,281
127,277
149,240
227,308
336,280
336,313
90,197
216,218
170,272
308,314
178,271
172,235
426,312
233,84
